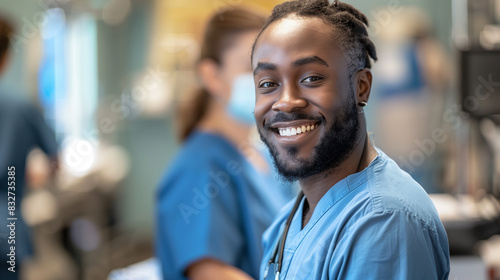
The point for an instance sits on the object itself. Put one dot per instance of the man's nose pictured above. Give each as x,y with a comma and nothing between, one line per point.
290,100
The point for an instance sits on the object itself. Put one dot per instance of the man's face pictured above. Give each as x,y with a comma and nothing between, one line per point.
305,108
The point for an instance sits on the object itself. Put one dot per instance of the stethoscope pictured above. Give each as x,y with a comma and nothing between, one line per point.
279,248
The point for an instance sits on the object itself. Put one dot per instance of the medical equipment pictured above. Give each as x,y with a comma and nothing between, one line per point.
480,84
280,245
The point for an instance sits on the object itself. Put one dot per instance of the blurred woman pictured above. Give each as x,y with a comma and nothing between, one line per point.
219,194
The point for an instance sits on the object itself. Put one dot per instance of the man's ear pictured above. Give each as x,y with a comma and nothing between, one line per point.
208,71
363,82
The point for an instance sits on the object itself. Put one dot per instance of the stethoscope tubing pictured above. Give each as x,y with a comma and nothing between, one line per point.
280,246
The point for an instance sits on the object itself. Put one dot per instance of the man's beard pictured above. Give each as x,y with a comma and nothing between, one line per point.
334,147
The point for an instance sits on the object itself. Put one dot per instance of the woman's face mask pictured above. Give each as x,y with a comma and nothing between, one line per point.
242,101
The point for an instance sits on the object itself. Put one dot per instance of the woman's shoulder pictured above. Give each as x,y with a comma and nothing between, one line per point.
200,155
202,148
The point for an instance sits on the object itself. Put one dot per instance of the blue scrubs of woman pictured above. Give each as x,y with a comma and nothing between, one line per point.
219,194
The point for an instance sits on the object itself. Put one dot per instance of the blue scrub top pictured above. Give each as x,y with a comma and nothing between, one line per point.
22,128
213,203
375,224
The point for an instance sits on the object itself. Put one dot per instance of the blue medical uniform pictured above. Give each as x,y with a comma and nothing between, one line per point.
22,128
374,224
213,203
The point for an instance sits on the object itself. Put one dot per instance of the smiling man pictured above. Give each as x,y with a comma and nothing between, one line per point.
359,216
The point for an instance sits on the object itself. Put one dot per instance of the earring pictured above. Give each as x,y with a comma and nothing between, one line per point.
362,104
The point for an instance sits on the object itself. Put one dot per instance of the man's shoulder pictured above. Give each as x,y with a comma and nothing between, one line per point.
393,190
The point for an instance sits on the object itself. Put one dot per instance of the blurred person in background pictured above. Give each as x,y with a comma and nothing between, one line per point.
413,77
22,128
217,198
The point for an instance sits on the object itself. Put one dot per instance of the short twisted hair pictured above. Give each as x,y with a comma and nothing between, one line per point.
353,38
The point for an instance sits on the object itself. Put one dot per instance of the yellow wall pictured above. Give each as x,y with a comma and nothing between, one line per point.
187,18
189,15
176,35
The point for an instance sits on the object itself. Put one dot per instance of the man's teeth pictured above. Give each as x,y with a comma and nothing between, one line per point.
291,131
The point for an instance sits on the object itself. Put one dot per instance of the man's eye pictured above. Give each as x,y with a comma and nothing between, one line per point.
312,79
267,84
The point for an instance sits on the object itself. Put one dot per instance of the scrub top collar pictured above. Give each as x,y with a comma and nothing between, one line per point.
296,233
